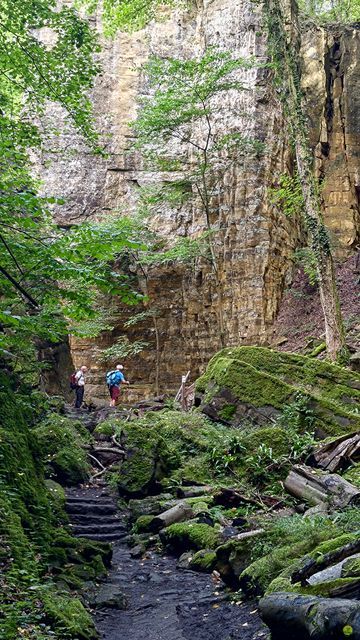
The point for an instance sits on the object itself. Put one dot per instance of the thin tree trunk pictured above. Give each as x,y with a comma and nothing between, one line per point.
329,298
157,361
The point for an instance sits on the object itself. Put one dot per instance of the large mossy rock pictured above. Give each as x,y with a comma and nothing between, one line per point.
60,443
256,383
184,536
68,616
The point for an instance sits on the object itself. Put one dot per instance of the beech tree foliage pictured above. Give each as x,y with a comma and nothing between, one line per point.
179,130
46,274
128,15
340,11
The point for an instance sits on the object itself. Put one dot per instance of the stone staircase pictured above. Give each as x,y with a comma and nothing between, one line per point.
93,514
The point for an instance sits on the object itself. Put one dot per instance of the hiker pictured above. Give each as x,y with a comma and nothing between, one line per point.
79,386
113,380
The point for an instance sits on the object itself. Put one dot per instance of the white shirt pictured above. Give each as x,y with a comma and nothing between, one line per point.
80,378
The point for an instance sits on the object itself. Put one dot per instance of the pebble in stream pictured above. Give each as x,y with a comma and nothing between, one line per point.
166,603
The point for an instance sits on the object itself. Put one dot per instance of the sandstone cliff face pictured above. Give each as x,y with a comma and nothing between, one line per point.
255,242
331,80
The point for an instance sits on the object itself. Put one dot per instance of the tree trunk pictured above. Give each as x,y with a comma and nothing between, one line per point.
338,454
319,488
318,564
193,492
307,617
320,244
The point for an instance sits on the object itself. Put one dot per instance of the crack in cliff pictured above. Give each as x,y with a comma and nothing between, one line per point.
334,114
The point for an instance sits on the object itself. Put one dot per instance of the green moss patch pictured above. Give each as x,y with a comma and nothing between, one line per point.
184,536
68,616
259,382
59,441
353,475
351,568
142,524
203,561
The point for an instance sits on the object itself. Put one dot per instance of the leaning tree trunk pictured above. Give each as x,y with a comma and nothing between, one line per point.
320,244
283,36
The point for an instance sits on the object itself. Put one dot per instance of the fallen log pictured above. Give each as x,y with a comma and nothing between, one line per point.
318,488
193,492
178,513
104,449
232,498
339,453
328,559
308,617
248,534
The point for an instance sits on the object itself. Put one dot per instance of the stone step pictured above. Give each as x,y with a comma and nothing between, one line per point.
116,527
103,537
71,499
89,518
91,508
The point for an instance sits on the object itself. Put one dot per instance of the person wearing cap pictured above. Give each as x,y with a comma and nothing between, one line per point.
114,380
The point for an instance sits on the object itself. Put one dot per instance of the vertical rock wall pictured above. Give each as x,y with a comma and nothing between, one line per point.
331,80
255,242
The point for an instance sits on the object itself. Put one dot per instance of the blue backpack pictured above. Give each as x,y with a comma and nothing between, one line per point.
111,378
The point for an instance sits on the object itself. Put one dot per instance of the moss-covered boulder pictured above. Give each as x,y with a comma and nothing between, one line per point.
232,558
147,460
259,382
142,524
68,616
60,443
185,536
203,561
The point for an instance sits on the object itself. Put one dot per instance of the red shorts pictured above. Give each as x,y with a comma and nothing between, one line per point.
114,392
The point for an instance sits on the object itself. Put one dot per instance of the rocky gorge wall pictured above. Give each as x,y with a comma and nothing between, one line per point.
255,241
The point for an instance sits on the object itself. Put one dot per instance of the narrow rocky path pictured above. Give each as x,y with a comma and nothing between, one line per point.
163,602
166,603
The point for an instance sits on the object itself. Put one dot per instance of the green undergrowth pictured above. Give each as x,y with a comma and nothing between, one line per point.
168,448
266,563
59,441
353,475
283,582
38,557
259,382
203,561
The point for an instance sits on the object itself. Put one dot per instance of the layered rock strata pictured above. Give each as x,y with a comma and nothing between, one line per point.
255,243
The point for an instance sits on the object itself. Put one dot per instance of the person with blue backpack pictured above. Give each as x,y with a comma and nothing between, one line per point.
114,380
